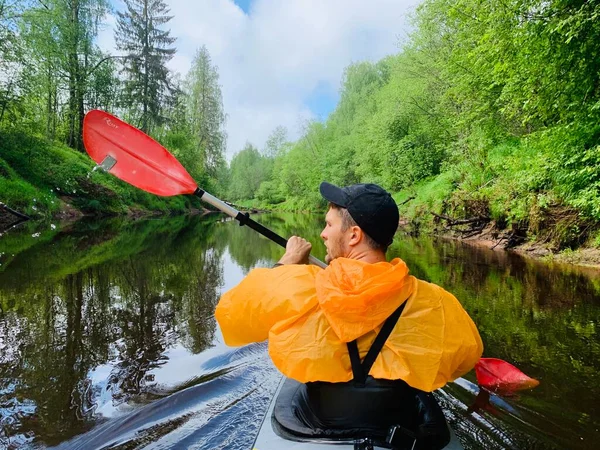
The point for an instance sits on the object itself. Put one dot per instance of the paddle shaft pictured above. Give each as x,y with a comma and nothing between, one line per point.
244,219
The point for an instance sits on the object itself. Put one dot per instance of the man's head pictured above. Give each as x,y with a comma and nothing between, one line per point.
362,218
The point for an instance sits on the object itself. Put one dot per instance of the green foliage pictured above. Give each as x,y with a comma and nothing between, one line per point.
269,193
276,143
576,166
59,61
11,53
425,196
204,109
248,170
36,174
19,194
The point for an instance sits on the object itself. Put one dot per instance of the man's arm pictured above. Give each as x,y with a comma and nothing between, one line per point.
247,312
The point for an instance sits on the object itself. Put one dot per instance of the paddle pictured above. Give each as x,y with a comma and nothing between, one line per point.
136,158
501,376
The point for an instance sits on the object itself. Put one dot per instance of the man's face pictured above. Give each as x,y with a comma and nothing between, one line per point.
334,236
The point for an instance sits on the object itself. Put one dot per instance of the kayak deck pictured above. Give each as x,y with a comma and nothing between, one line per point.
268,439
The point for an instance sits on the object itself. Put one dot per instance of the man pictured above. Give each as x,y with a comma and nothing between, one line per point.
321,323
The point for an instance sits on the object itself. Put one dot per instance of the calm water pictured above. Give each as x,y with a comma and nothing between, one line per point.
107,336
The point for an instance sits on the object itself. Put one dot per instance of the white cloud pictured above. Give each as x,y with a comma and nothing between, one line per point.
273,59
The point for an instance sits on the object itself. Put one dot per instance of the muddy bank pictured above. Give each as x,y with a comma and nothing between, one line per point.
511,241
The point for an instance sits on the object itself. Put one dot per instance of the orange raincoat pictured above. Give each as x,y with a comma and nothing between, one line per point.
309,314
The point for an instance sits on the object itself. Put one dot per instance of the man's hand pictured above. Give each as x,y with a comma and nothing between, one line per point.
296,251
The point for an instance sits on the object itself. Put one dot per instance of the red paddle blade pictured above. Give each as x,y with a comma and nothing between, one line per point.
133,156
498,375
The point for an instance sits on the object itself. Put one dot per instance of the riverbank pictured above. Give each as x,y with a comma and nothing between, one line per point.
47,180
508,241
477,231
583,256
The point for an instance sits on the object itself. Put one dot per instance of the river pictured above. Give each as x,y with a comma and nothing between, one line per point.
107,335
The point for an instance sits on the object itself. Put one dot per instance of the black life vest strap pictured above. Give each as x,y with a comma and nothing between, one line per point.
361,370
357,368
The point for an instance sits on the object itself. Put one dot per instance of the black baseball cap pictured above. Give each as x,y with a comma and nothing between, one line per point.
372,208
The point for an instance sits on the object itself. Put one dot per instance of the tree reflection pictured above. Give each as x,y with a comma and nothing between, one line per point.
249,249
120,294
541,318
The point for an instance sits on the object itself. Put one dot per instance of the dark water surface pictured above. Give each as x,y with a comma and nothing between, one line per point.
107,336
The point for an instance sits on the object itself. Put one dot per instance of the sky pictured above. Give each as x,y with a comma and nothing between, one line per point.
280,62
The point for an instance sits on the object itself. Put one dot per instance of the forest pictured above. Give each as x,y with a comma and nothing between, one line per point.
489,112
52,72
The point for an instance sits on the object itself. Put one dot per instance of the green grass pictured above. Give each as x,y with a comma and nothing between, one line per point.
36,174
21,195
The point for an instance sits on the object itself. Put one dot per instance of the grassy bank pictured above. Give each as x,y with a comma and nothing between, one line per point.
47,179
519,188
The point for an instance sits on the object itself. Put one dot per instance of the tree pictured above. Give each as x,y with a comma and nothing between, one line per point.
276,142
148,50
248,170
176,134
59,36
78,26
103,82
204,105
11,54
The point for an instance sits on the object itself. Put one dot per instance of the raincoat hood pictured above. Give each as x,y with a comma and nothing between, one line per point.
356,297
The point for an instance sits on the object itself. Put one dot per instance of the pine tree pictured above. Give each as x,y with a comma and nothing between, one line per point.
204,104
148,50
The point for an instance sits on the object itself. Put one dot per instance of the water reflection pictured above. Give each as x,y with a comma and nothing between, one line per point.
107,331
542,318
114,294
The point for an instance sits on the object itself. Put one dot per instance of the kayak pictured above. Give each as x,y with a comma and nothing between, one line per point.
277,431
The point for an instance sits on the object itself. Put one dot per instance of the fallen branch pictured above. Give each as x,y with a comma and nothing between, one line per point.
474,232
451,221
498,243
13,212
5,228
406,201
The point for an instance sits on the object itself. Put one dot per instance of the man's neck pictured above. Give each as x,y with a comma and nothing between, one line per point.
369,256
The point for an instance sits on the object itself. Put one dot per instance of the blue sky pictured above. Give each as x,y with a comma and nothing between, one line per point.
322,100
280,61
244,5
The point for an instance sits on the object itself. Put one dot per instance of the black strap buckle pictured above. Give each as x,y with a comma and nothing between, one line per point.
401,438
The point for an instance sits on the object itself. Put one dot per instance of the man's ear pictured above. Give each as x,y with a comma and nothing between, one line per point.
356,236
